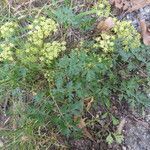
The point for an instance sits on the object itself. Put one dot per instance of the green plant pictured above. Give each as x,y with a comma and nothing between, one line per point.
127,34
40,29
29,122
106,42
37,51
46,86
75,79
103,8
123,33
65,16
68,18
114,137
8,30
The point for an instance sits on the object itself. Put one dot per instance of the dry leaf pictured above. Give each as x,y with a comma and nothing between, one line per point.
126,6
88,103
145,32
137,4
129,5
82,125
106,25
119,4
121,126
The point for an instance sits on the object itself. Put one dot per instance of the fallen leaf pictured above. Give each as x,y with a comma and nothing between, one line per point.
82,125
88,103
120,4
126,6
121,125
137,4
106,25
145,32
129,5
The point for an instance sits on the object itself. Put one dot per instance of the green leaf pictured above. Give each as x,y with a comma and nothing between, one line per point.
115,121
65,15
118,137
109,139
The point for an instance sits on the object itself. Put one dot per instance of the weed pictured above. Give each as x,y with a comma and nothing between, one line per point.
44,84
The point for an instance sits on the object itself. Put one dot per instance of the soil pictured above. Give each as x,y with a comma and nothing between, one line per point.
137,135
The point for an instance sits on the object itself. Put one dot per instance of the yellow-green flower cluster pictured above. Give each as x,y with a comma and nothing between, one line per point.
103,8
40,29
8,29
51,51
43,55
6,53
128,35
105,42
124,32
36,48
28,55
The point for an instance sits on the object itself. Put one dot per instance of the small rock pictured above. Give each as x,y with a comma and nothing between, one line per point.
1,144
124,148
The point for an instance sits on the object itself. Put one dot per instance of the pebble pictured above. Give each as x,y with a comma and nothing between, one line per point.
142,13
1,144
